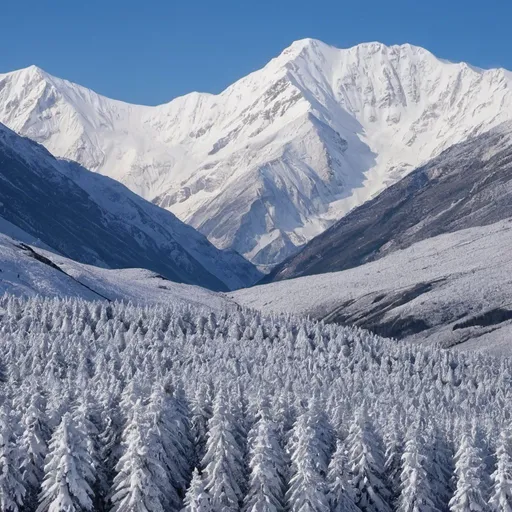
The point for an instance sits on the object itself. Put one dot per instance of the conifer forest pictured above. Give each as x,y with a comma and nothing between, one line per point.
116,407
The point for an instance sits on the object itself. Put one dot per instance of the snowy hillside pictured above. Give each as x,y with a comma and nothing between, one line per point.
468,185
454,289
273,160
96,220
27,270
122,408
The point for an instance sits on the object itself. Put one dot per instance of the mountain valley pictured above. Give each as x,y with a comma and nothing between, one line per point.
468,185
96,220
292,293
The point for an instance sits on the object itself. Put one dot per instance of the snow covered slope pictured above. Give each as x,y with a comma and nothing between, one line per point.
94,219
454,288
468,185
273,160
29,270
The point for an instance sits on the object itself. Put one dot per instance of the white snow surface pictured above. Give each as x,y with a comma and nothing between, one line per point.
471,273
279,155
22,274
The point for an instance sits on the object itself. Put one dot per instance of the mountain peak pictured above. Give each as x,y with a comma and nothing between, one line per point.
34,69
307,47
371,47
321,58
301,44
29,74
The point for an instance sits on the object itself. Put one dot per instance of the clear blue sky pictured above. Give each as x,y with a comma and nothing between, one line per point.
150,51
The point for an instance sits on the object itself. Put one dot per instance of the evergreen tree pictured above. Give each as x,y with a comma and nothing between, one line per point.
501,496
201,409
69,471
470,493
367,466
85,418
416,493
109,454
12,487
267,469
175,456
324,432
223,461
34,448
393,456
140,475
197,498
307,490
341,492
441,467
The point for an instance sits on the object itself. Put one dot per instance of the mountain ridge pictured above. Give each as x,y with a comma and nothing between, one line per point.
278,156
468,185
96,220
452,290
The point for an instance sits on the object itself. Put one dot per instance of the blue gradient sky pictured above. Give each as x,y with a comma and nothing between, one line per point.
151,51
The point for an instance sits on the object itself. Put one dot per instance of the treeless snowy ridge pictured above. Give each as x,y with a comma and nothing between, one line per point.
29,270
454,289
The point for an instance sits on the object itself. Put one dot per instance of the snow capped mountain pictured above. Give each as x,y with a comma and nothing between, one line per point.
95,220
279,155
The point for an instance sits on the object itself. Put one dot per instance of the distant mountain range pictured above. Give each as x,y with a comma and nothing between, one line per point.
280,155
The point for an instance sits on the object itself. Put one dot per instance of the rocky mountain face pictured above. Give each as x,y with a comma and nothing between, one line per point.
468,185
93,219
280,155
